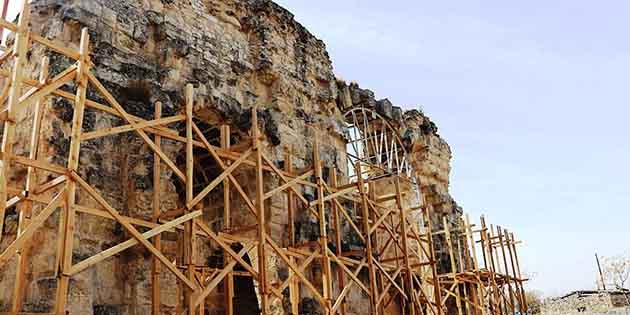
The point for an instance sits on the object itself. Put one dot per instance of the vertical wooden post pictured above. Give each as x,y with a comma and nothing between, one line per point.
508,243
288,167
519,275
225,144
338,245
5,9
368,238
375,245
294,289
260,204
405,241
15,91
426,211
454,268
323,231
507,271
488,254
25,214
73,164
227,225
475,263
190,247
157,240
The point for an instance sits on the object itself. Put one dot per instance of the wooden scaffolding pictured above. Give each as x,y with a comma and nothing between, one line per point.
382,223
490,285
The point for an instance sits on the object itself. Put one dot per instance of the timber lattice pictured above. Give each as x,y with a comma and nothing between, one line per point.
408,277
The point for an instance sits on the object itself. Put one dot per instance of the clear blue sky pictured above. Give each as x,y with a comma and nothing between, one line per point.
533,98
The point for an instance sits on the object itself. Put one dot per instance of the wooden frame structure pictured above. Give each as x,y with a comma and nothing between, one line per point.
490,285
373,141
384,225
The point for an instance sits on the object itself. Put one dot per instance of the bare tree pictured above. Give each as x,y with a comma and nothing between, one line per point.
616,270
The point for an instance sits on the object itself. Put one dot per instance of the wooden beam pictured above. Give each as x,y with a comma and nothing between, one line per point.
20,50
68,225
156,299
127,226
112,101
36,222
25,214
126,128
87,263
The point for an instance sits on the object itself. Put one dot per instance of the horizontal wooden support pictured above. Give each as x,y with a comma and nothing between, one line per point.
127,128
56,46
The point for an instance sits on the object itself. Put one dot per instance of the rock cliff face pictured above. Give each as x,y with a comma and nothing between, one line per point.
239,54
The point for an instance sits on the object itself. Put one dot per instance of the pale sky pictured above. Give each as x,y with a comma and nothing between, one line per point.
532,97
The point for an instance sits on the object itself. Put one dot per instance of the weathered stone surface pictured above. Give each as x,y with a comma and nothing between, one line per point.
239,55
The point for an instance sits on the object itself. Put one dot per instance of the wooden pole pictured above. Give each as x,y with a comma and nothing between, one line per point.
338,244
73,164
323,231
473,248
260,205
25,214
435,279
520,276
157,240
519,294
375,245
405,244
507,272
294,289
15,92
368,238
5,10
454,270
190,247
227,225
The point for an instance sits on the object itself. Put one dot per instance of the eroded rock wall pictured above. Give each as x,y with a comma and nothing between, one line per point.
239,54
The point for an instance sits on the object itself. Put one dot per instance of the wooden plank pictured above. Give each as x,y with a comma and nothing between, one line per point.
189,229
297,272
215,282
368,238
323,231
112,101
25,214
20,50
205,229
225,144
89,262
126,128
156,299
49,185
346,289
68,225
222,165
35,224
338,244
260,211
37,93
293,182
218,180
405,251
120,219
